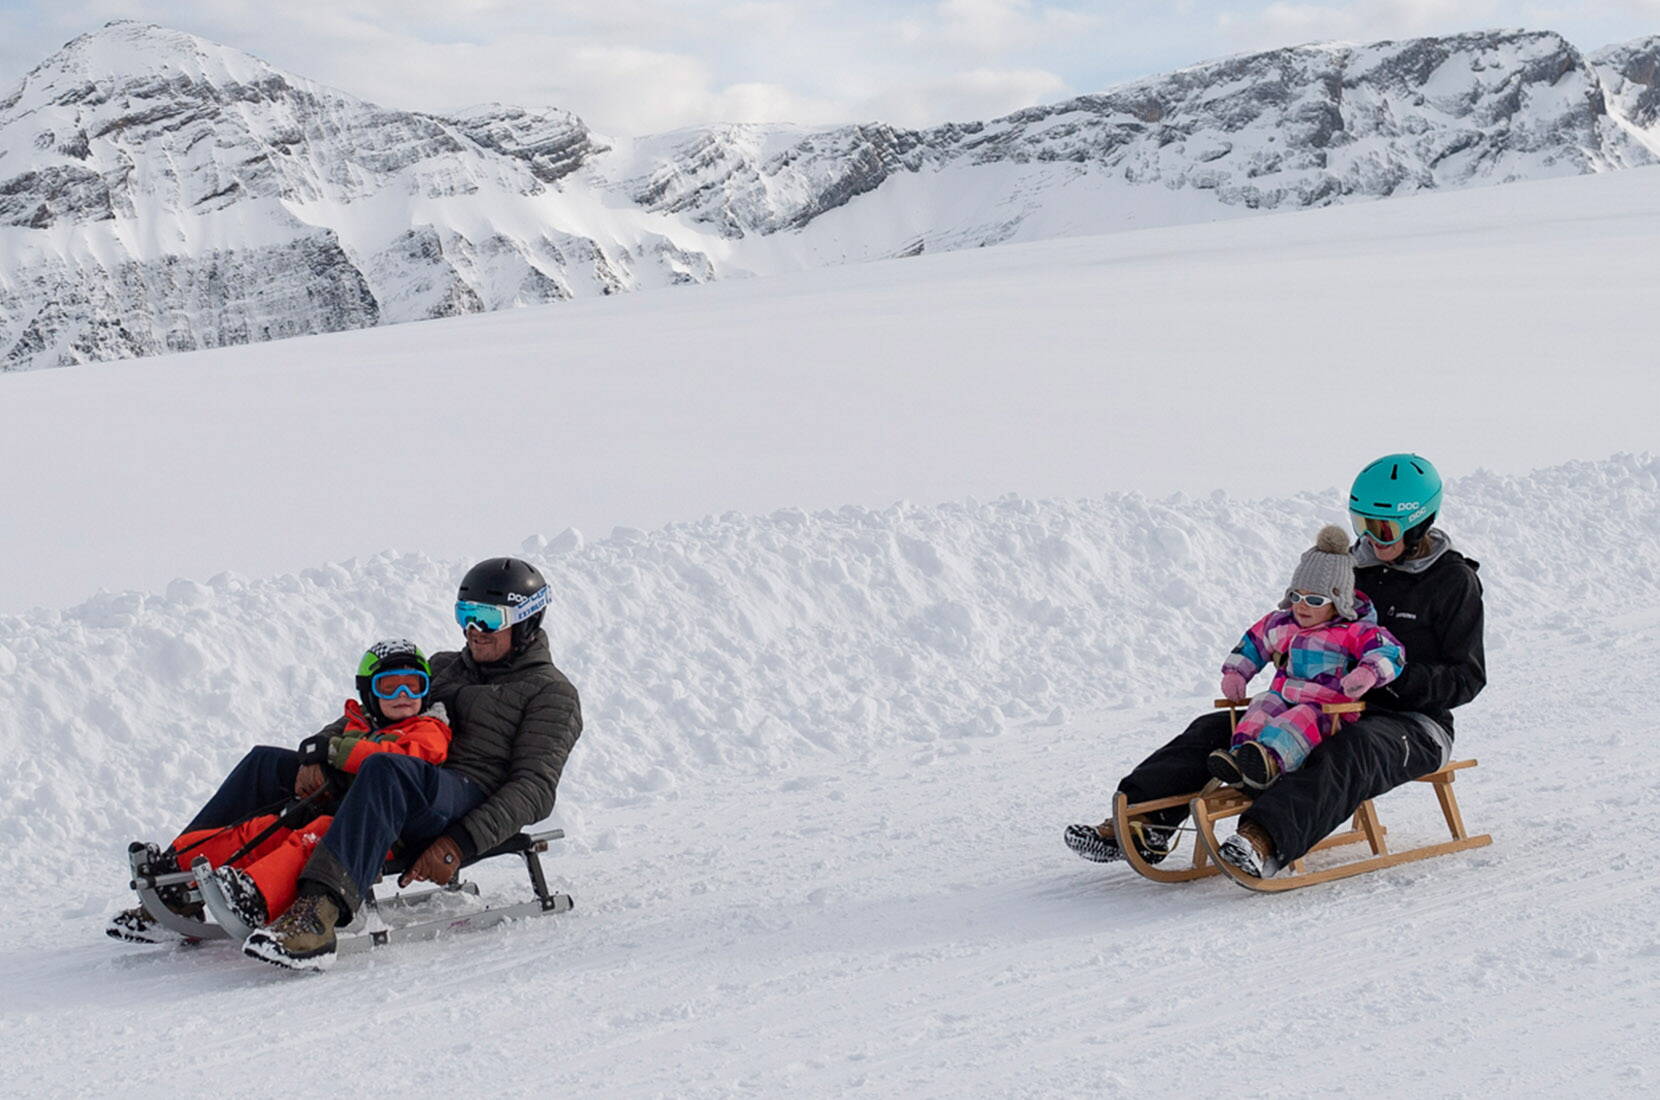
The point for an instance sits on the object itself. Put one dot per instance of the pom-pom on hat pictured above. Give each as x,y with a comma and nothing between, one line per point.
1327,568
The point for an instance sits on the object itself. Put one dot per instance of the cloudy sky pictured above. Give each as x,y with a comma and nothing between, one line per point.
642,66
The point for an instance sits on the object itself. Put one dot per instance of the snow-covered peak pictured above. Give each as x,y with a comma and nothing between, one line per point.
1630,72
139,121
125,48
164,192
1284,128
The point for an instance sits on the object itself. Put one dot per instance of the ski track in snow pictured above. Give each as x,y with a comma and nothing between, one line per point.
815,820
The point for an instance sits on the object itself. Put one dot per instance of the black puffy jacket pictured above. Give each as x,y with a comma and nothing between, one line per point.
1437,616
515,722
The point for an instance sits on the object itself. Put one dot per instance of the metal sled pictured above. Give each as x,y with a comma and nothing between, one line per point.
149,882
1213,804
434,911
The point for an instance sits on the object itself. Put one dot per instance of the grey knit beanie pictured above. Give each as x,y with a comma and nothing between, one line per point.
1327,568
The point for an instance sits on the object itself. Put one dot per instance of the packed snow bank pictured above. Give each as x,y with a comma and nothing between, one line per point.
765,644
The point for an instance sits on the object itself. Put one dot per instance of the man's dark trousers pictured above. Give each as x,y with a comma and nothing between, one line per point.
395,798
1376,754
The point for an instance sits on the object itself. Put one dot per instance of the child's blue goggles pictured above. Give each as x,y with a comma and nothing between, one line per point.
411,683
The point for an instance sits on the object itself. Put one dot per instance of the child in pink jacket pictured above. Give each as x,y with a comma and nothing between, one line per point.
1327,646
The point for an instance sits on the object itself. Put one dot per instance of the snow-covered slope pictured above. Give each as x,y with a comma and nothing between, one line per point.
815,819
1055,369
159,192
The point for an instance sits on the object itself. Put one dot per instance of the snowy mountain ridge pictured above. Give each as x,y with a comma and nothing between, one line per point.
159,192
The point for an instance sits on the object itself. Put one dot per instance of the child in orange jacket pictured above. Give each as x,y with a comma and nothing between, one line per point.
390,715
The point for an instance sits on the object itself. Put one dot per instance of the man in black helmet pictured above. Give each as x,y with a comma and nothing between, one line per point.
515,718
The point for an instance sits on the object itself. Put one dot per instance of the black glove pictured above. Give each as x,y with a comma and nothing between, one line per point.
315,749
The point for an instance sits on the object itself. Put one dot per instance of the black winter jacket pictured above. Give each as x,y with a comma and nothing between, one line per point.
1437,616
515,722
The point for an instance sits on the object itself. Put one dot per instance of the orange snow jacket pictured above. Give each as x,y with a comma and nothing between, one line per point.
352,740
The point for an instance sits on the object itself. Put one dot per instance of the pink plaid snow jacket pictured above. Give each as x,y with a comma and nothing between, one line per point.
1313,662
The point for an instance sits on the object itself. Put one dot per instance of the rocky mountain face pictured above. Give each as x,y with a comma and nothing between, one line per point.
159,192
1631,76
1287,129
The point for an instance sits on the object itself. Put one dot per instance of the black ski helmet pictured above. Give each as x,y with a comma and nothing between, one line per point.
507,582
384,656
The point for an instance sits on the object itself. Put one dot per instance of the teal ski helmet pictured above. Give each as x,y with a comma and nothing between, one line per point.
1395,496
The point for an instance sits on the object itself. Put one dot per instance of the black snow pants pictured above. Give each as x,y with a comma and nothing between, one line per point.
1377,753
259,783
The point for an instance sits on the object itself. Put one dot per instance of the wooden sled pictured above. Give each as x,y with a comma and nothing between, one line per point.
1213,804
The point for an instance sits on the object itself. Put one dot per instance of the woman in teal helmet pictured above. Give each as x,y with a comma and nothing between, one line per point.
1428,595
1393,503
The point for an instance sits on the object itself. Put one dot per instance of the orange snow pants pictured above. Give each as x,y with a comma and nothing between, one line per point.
275,865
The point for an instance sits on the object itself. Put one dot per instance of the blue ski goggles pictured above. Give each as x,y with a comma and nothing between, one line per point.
411,683
491,617
482,616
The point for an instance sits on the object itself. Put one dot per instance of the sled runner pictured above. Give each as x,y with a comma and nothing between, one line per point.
416,915
1214,803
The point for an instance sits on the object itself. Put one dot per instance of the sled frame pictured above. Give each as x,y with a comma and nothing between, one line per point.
1213,803
1210,806
368,928
147,882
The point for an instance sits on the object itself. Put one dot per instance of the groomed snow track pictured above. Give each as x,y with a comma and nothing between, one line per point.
815,822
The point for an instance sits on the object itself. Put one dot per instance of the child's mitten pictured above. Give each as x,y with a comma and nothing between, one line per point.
1359,682
1233,686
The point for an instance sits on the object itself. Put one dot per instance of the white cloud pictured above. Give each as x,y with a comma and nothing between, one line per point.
1282,23
991,27
963,97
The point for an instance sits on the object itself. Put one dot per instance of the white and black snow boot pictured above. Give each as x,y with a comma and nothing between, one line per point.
1251,851
302,938
1152,843
136,925
241,895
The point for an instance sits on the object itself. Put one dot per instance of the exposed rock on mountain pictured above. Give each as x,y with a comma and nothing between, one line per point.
159,192
1285,129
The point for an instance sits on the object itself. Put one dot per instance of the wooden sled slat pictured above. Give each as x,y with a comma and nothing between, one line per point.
1210,806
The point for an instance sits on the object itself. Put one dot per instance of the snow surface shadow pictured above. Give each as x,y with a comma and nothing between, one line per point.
112,975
